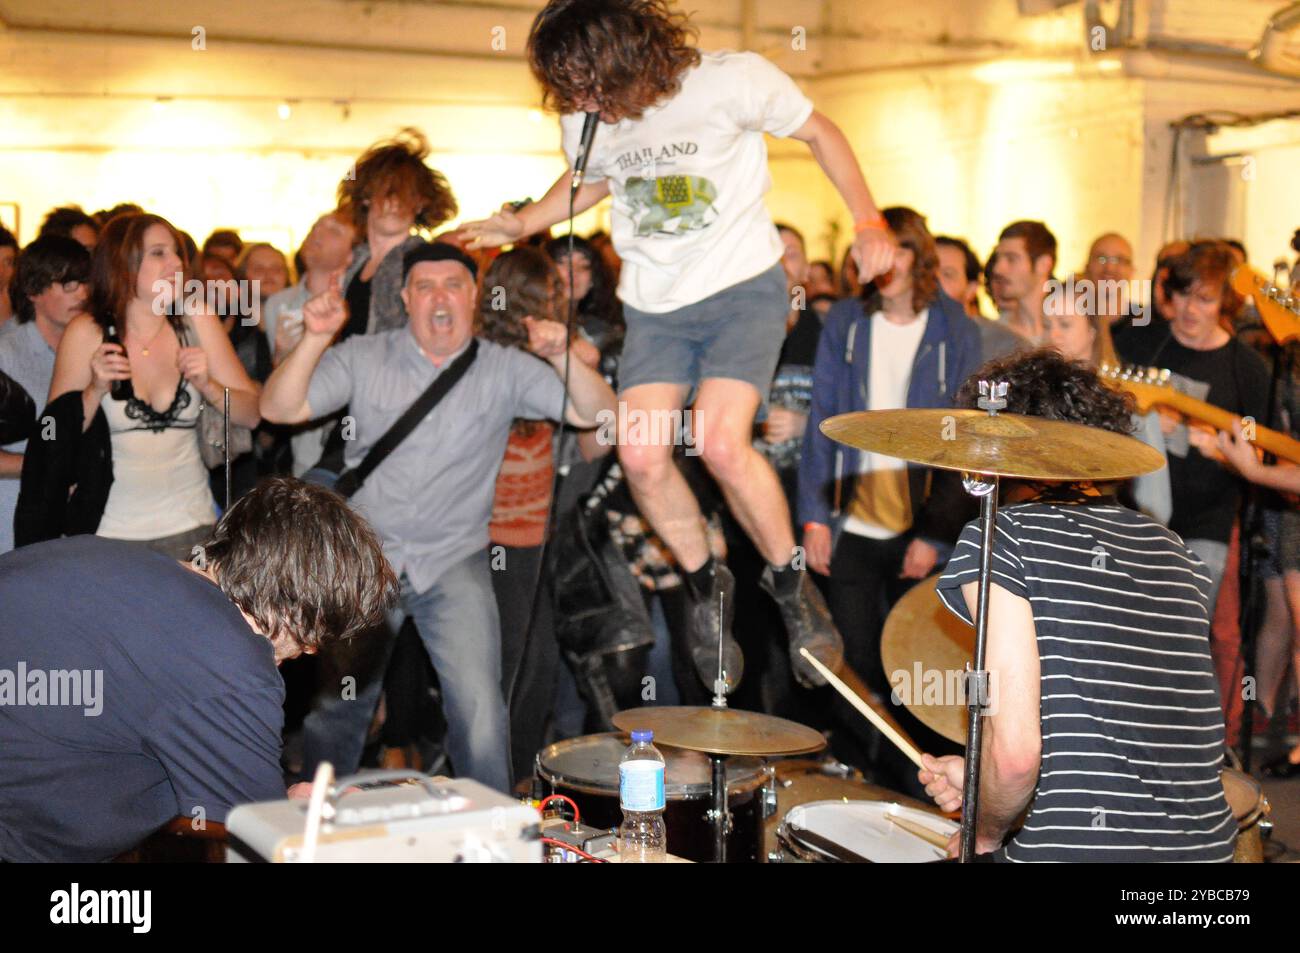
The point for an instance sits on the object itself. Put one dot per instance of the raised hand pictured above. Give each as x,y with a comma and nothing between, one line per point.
501,229
874,252
325,314
546,339
192,362
109,363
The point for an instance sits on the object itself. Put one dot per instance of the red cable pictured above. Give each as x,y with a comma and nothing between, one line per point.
577,816
569,847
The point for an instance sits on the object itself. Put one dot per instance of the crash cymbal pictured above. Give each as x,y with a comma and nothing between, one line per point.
1009,445
721,730
924,647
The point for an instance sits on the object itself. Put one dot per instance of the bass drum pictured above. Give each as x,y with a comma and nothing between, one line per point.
586,769
809,795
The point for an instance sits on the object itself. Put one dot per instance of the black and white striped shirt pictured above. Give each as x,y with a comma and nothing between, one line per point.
1132,730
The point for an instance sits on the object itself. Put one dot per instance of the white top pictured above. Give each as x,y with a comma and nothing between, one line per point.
160,485
688,180
893,351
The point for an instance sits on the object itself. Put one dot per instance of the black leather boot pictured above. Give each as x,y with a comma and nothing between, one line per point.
703,625
808,625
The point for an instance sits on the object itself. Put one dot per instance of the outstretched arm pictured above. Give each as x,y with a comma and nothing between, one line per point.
508,226
873,248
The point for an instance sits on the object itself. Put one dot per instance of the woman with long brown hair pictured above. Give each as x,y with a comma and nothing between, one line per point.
175,356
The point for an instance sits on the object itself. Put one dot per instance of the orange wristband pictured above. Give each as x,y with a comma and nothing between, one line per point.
878,222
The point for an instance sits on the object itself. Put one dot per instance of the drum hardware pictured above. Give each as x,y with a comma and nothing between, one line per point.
984,445
585,769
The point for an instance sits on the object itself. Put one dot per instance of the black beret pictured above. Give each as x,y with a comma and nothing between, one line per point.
435,251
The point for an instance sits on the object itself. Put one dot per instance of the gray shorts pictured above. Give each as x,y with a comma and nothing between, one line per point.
736,333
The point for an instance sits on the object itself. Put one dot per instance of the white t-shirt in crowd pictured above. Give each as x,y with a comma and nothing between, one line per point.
688,180
893,351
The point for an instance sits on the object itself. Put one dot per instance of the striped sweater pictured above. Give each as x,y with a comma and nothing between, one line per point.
1132,730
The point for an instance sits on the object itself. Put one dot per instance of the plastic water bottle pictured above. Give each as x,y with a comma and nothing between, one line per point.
642,838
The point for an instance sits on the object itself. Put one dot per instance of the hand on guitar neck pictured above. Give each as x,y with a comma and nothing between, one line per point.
1152,390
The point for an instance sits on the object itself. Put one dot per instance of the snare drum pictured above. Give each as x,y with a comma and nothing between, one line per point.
586,769
1249,808
809,794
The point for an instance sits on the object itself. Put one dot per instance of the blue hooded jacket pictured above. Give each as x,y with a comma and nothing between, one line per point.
949,352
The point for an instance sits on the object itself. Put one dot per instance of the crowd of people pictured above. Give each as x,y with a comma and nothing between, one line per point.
545,568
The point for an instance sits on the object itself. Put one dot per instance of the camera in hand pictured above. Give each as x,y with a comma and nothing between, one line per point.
118,390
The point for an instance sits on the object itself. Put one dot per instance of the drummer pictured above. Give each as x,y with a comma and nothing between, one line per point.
1105,724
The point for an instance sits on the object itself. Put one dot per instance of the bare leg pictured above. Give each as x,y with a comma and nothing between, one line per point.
724,420
660,491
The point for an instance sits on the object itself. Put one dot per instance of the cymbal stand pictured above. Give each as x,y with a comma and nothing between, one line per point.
985,488
719,814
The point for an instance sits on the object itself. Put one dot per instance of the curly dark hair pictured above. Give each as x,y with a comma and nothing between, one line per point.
625,54
1045,384
396,167
301,562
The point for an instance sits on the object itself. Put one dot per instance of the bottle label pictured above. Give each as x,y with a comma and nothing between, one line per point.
641,785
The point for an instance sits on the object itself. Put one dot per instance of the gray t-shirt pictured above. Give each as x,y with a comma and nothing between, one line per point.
431,499
26,358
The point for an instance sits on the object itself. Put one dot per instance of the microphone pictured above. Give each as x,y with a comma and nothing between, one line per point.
584,149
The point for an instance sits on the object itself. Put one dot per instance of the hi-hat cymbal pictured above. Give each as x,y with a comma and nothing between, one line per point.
924,648
721,730
1009,445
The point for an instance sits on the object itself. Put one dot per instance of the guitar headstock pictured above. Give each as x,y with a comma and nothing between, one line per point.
1278,307
1150,385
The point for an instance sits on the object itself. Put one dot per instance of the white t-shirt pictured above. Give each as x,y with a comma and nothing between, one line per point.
893,351
688,180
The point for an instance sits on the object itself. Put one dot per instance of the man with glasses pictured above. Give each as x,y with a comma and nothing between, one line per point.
50,289
1110,267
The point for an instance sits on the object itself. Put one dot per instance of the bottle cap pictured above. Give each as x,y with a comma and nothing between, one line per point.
642,736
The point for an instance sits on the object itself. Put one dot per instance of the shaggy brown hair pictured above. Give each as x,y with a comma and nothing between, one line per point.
519,283
1209,263
396,167
1045,384
909,230
302,563
625,54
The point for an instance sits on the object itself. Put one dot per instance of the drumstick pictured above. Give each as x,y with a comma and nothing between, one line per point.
851,697
921,831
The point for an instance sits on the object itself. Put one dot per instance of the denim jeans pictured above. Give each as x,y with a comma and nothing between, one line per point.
1215,556
458,624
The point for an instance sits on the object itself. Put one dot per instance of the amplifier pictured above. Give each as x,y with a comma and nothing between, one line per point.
434,820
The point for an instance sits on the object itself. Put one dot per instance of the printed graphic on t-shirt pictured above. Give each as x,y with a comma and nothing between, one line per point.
671,204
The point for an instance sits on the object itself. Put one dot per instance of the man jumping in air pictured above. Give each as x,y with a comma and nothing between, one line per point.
680,148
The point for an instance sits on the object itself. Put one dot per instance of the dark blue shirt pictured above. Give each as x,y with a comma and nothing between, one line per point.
132,690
